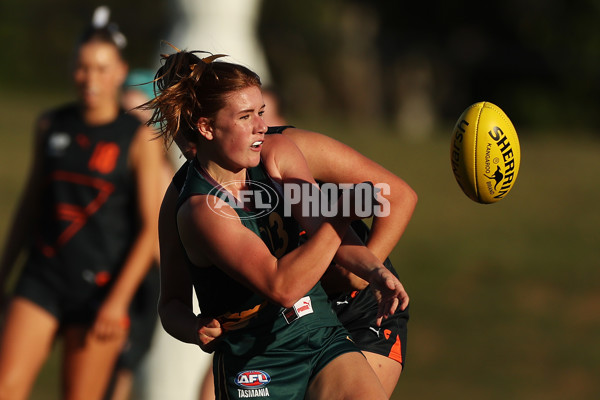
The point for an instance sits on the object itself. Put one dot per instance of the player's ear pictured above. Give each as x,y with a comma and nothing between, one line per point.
205,128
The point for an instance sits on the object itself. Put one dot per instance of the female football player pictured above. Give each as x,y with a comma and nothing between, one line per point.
281,335
88,219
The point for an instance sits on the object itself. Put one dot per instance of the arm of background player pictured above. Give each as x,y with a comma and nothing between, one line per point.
332,161
146,158
352,253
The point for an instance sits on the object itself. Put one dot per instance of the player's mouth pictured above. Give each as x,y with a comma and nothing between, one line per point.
89,93
257,144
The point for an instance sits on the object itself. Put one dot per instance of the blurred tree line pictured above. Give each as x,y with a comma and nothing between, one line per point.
412,65
38,36
419,64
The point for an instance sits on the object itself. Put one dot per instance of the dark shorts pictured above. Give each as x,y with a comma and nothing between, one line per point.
59,301
284,372
357,311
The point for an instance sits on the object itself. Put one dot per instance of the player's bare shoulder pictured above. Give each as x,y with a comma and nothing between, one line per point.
277,150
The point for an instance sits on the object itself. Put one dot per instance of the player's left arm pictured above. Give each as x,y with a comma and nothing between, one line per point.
146,159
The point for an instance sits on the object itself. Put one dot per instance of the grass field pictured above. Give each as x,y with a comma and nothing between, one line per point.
505,298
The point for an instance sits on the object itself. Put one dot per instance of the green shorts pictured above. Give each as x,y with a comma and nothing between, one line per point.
281,372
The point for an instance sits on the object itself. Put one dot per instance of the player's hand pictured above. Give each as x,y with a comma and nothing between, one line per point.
209,330
338,279
112,321
388,291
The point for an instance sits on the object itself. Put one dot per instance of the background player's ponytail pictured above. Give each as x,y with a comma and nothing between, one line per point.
102,30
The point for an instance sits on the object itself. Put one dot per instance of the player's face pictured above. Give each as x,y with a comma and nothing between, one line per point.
239,128
99,74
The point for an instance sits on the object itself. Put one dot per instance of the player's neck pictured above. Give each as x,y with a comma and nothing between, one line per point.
220,175
100,115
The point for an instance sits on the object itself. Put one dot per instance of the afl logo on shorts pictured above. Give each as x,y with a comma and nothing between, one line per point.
252,379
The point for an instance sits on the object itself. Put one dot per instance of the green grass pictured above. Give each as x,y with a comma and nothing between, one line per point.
505,298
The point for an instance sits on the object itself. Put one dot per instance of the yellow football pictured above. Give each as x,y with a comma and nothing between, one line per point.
485,153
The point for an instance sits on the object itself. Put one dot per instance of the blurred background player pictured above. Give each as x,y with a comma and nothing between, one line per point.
88,220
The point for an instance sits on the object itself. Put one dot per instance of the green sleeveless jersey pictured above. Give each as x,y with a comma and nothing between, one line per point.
251,321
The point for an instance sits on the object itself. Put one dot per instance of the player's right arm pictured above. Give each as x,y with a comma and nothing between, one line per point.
21,229
175,303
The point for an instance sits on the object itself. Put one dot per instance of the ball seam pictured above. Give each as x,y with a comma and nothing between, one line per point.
475,149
